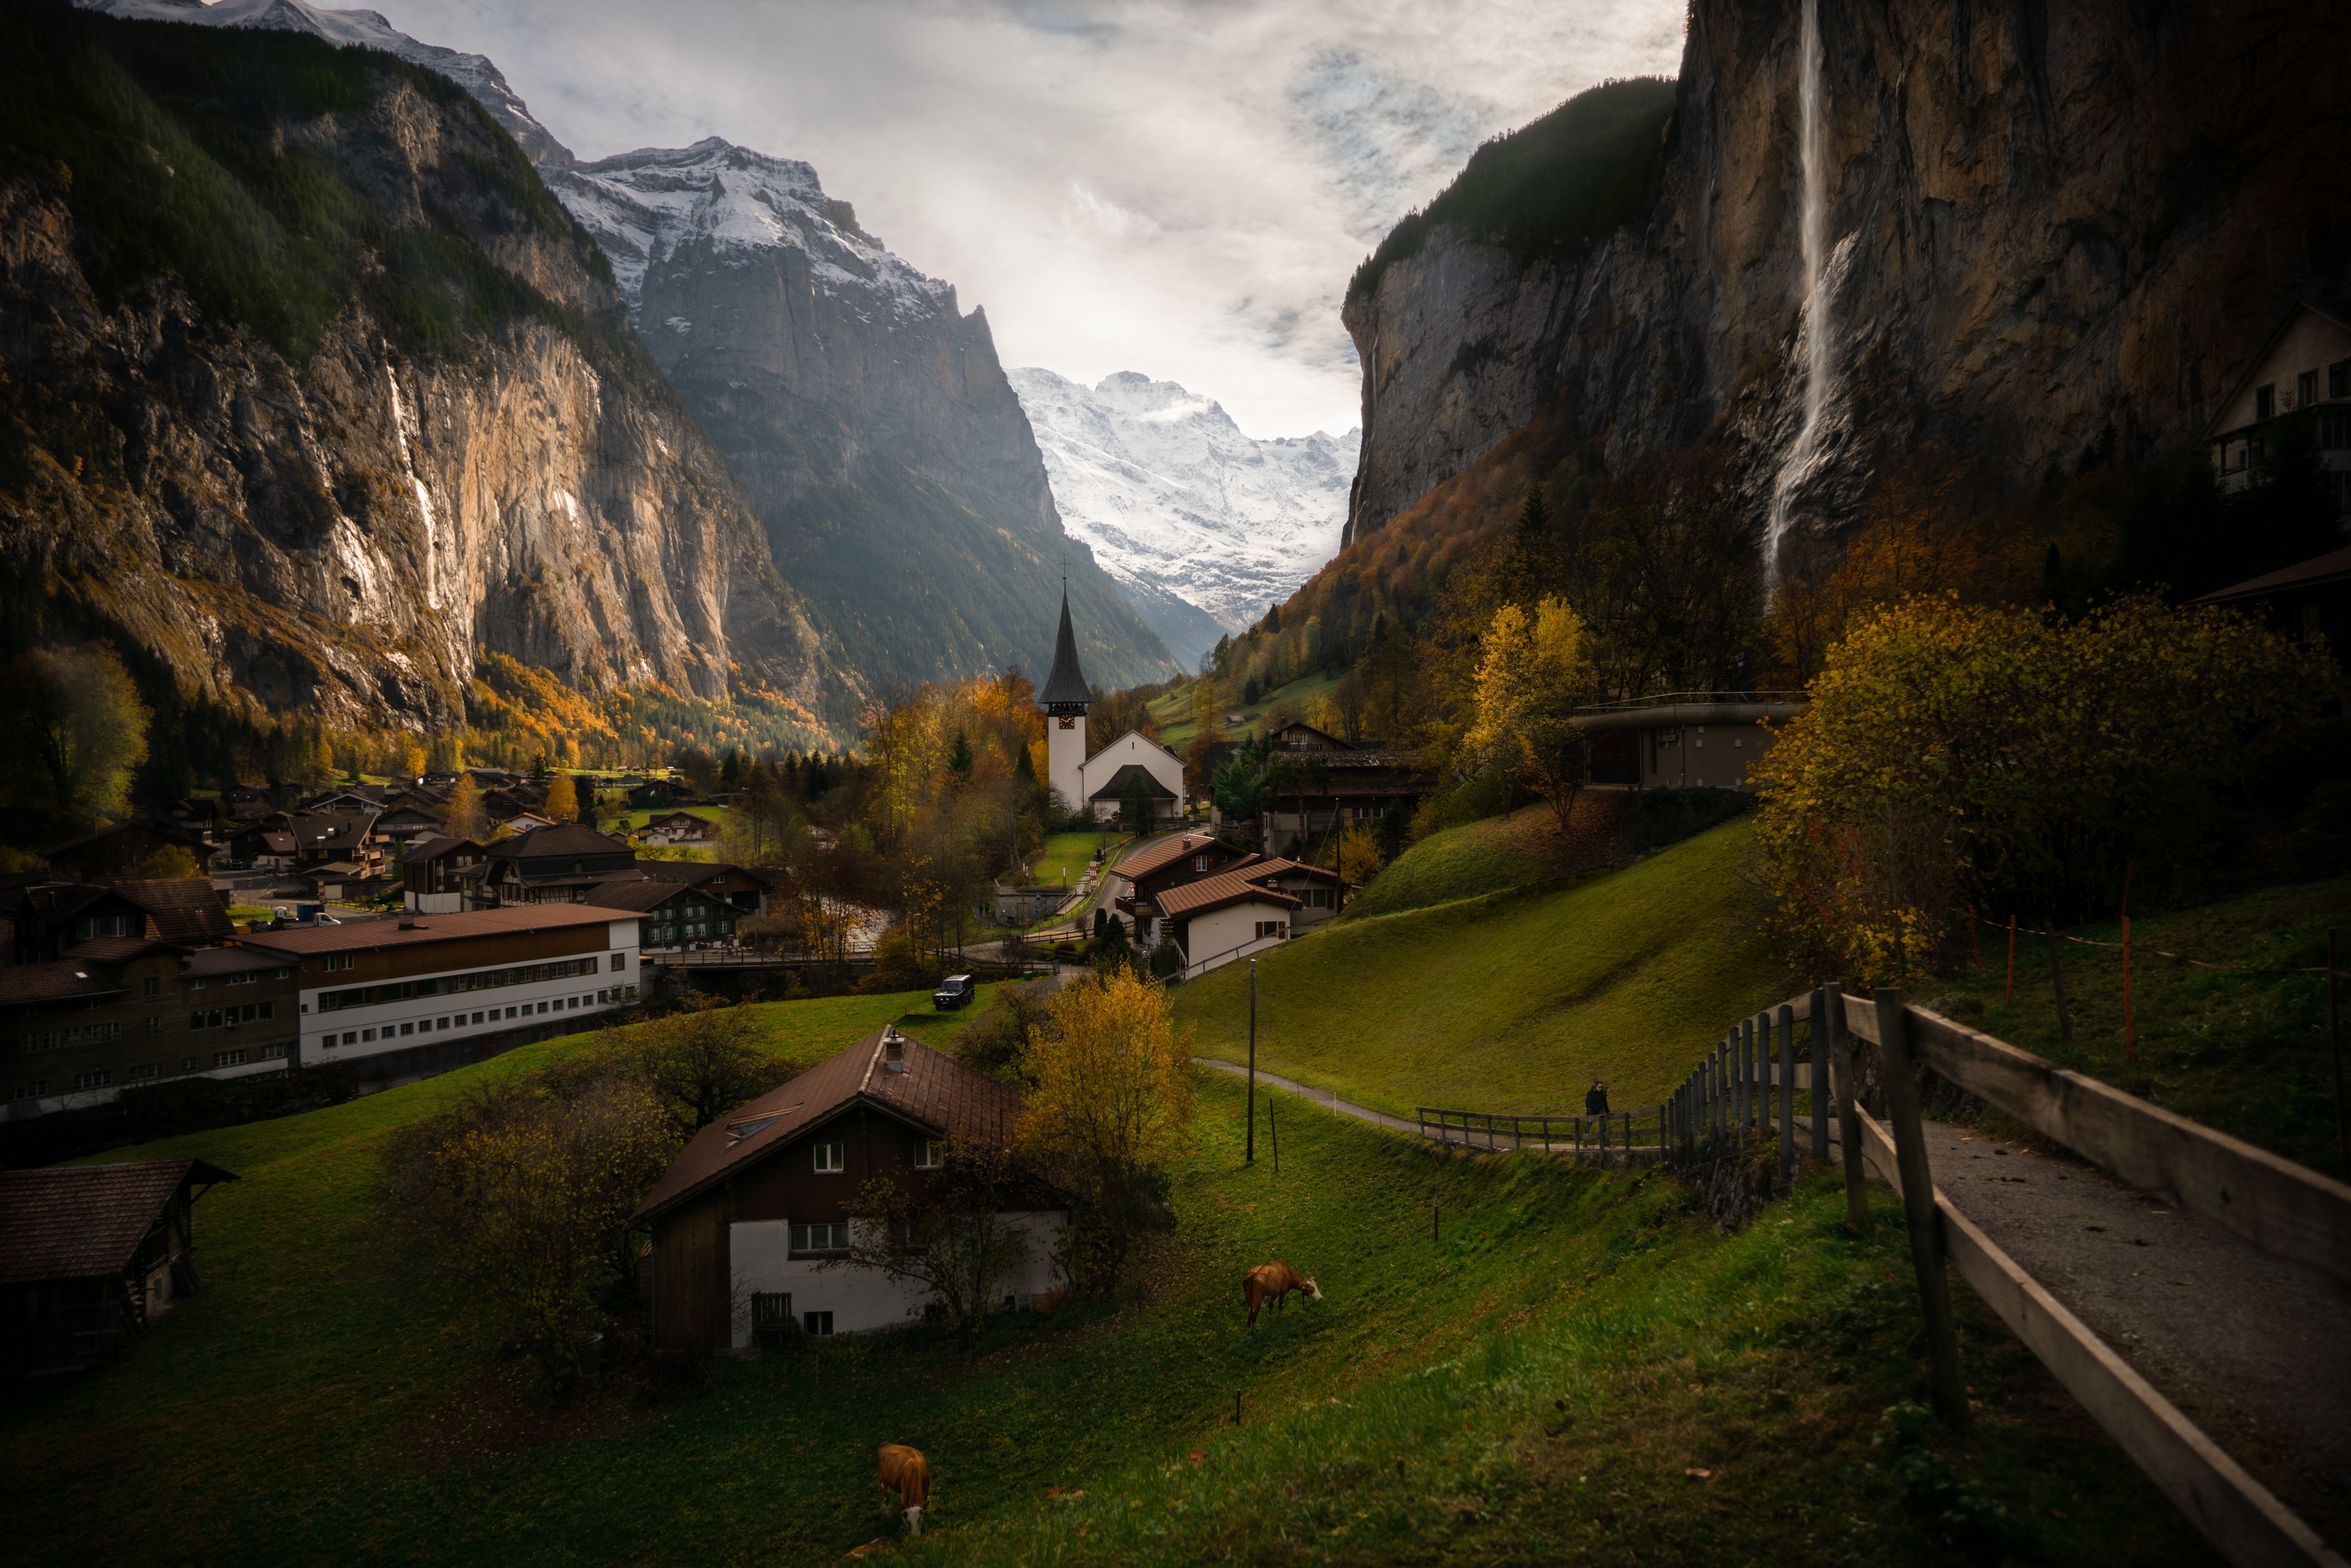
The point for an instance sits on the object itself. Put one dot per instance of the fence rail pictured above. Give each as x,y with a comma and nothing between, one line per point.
1746,1087
1620,1136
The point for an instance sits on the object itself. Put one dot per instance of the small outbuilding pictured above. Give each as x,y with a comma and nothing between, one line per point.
91,1255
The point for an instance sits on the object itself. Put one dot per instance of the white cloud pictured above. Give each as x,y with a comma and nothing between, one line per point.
1180,187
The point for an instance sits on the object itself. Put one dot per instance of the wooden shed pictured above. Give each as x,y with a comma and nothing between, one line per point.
90,1255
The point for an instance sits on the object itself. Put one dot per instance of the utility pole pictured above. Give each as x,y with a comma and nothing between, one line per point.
1251,1157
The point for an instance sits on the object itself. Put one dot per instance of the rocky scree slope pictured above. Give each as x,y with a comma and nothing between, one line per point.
1201,526
2052,232
867,416
312,392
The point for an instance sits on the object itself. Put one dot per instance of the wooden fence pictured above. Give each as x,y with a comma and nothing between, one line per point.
1745,1088
1621,1136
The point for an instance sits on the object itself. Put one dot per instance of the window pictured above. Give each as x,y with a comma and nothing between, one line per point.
620,962
367,1035
2265,402
141,1072
32,1091
93,1080
1199,862
477,1018
927,1153
1276,928
228,1059
820,1323
187,1064
824,1236
2305,389
408,1029
155,1024
273,1053
2338,378
829,1157
150,987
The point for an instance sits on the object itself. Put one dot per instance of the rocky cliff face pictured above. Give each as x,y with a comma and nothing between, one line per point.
868,417
2051,232
1201,525
459,448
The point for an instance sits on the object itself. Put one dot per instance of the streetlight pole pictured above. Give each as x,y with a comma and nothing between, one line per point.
1251,1157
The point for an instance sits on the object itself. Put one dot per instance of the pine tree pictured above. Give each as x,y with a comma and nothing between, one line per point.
1535,515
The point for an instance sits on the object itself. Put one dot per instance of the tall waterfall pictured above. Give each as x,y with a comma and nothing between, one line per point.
1814,325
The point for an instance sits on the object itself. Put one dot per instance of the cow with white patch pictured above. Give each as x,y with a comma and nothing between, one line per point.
1275,1281
905,1472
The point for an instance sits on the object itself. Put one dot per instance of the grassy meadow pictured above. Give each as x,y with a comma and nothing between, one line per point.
1173,717
1536,1383
1485,856
1513,1001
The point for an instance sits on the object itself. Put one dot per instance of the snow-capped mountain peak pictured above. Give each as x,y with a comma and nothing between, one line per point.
646,206
1200,524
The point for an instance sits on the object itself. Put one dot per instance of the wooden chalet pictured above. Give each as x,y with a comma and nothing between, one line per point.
757,1200
91,1255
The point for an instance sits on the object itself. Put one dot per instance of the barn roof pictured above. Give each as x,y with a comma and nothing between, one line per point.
1217,892
1066,686
186,909
935,1093
70,1222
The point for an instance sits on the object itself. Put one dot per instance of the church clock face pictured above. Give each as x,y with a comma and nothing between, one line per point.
1068,723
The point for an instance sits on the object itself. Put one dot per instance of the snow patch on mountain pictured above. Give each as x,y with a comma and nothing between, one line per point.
364,30
1180,504
646,207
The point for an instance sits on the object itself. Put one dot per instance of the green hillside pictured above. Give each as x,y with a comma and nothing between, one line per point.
1515,1000
1485,856
1172,713
330,1398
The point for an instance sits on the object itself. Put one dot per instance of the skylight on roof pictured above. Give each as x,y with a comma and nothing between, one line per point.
738,1130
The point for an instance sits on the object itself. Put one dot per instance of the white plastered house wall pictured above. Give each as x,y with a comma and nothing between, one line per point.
1133,747
866,1300
1221,936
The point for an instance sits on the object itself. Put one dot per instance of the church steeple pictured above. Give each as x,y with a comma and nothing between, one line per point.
1066,693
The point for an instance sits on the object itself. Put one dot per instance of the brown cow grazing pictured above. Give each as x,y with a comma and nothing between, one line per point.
905,1472
1275,1281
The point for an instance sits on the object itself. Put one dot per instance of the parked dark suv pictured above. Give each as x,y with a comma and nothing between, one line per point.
954,992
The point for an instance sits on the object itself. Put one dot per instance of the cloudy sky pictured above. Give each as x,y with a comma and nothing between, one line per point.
1179,187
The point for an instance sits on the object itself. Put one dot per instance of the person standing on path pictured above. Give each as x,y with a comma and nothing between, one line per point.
1595,1100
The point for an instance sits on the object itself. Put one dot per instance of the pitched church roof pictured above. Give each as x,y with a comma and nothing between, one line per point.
1066,686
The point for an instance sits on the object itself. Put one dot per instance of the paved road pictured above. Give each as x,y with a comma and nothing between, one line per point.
1320,1096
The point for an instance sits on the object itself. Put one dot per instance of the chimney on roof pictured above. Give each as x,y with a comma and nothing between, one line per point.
893,1050
408,923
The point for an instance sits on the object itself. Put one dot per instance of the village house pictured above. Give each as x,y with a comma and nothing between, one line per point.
1096,781
1334,784
436,873
680,828
2298,387
669,915
400,999
1220,919
745,1219
90,1256
116,1012
344,840
262,848
555,864
1684,740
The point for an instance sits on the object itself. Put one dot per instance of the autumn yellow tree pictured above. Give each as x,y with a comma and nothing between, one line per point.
563,799
412,759
79,731
1111,1102
467,819
1958,755
1532,673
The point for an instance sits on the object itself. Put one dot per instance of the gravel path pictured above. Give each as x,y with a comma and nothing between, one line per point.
2253,1349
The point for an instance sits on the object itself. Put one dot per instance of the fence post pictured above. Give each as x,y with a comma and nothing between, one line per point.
1822,1100
1787,1099
1925,1226
1743,1045
1846,1060
1604,1143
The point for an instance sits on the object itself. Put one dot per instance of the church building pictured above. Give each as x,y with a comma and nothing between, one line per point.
1096,782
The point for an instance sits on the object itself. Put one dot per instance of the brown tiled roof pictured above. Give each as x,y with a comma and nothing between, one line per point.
470,925
71,1222
57,980
231,961
112,949
434,849
935,1093
1215,892
555,840
1262,871
185,909
639,895
1142,863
